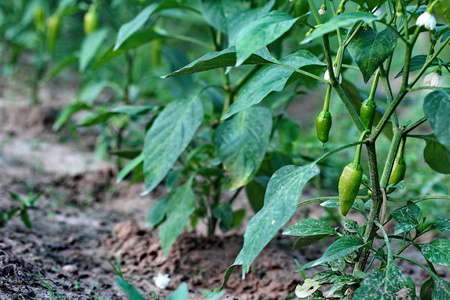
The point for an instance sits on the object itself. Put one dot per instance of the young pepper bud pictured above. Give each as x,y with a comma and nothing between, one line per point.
323,125
53,24
367,113
90,20
39,18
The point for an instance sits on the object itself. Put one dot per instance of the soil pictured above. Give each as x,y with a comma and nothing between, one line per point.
84,221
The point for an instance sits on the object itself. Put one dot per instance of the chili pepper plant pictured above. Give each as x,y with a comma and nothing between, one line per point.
261,56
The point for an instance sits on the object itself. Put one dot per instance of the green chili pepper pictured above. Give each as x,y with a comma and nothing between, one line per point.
367,113
90,20
398,171
323,125
39,20
53,25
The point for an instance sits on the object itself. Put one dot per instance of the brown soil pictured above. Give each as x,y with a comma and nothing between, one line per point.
84,220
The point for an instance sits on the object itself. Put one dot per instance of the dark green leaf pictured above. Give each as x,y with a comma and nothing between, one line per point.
157,212
436,107
286,134
410,213
443,224
25,218
443,10
263,31
370,49
238,217
418,61
256,190
126,153
56,69
180,206
341,21
128,289
94,119
217,12
338,249
269,79
386,284
67,112
281,201
90,47
241,143
181,293
350,225
427,290
437,252
130,167
309,227
370,3
133,110
340,282
136,24
436,155
167,138
222,59
90,91
224,213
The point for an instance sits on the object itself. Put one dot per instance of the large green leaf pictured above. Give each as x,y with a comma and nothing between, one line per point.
436,155
167,138
90,47
241,143
260,33
408,217
443,9
387,284
437,252
370,49
281,201
338,249
180,206
127,29
241,18
341,21
181,292
269,79
223,59
217,12
309,231
436,107
418,61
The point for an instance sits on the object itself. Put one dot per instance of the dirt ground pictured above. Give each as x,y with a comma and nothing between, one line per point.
84,220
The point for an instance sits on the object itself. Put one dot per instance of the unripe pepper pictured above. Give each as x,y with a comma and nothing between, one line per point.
39,21
350,181
53,25
323,125
324,120
367,113
399,167
90,20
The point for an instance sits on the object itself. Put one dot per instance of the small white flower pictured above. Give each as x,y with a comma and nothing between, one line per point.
162,280
426,20
432,79
326,76
322,11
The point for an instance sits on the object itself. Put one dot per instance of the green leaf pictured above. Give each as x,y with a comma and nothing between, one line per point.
157,212
443,224
222,59
224,213
57,68
338,249
281,201
130,167
167,138
286,134
436,155
67,112
217,12
270,79
94,119
127,29
408,217
255,190
386,284
216,296
181,292
238,217
90,91
418,61
126,153
436,107
90,47
340,282
180,206
128,289
370,3
25,218
134,41
443,10
241,19
261,32
370,49
241,143
427,290
341,21
350,225
309,231
437,252
133,110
